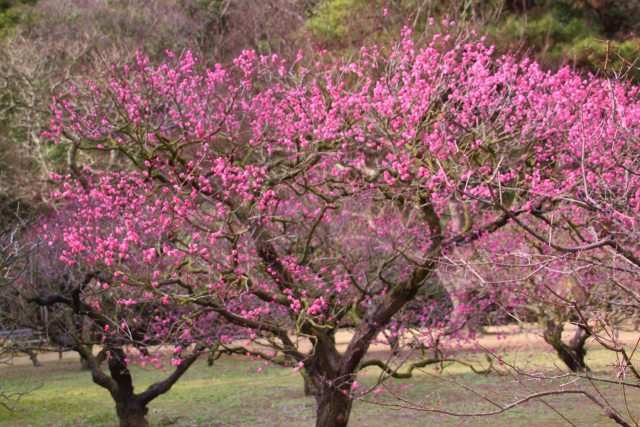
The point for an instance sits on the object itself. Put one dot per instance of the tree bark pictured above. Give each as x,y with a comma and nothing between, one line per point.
310,386
33,356
132,413
571,354
84,363
577,348
333,407
131,409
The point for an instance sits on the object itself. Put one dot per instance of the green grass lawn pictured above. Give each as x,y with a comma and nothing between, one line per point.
233,393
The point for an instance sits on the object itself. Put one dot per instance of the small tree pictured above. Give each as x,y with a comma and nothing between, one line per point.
85,308
131,407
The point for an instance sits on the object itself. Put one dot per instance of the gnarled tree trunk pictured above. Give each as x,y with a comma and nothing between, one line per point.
131,409
572,353
333,407
324,381
132,412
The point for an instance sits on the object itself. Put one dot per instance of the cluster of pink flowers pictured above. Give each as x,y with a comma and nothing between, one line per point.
279,194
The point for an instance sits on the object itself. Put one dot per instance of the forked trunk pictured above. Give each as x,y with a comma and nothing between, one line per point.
333,408
577,351
571,354
131,408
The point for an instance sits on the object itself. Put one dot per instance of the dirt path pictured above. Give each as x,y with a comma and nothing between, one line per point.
526,338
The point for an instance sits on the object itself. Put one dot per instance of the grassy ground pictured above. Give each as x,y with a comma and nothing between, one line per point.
233,393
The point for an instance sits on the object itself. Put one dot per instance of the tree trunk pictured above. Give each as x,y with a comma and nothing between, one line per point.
84,363
33,356
572,358
310,386
333,408
131,409
132,413
101,356
571,354
577,348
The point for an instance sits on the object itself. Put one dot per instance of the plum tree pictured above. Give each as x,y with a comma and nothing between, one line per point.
286,197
